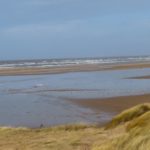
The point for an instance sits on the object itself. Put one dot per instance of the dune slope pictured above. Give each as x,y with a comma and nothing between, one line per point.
128,130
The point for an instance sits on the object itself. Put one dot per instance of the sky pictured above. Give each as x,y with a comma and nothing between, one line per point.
31,29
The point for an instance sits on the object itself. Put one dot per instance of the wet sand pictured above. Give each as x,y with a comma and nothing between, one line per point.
140,77
46,97
114,104
74,68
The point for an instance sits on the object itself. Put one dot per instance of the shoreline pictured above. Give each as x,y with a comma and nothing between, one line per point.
113,105
73,68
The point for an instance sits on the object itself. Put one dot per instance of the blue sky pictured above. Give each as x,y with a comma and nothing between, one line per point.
73,28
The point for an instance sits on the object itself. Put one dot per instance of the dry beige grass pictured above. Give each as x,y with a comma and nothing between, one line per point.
128,131
134,133
69,137
128,115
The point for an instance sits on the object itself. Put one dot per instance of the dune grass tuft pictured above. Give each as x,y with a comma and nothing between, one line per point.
72,127
141,122
135,132
128,115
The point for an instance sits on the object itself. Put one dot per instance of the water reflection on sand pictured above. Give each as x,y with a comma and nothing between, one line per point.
44,99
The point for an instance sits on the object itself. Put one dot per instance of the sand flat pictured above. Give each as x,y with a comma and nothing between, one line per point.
72,68
113,104
140,77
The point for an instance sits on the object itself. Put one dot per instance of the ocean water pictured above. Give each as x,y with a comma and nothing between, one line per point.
72,61
45,99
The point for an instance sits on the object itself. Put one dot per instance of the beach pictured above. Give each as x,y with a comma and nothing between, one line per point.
90,93
71,68
113,104
74,75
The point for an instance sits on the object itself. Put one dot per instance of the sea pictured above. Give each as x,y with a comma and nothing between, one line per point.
71,61
35,100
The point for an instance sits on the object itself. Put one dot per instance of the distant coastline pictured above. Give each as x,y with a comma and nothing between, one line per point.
63,62
36,70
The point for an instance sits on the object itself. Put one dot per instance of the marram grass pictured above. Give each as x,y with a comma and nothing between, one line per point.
130,130
128,115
